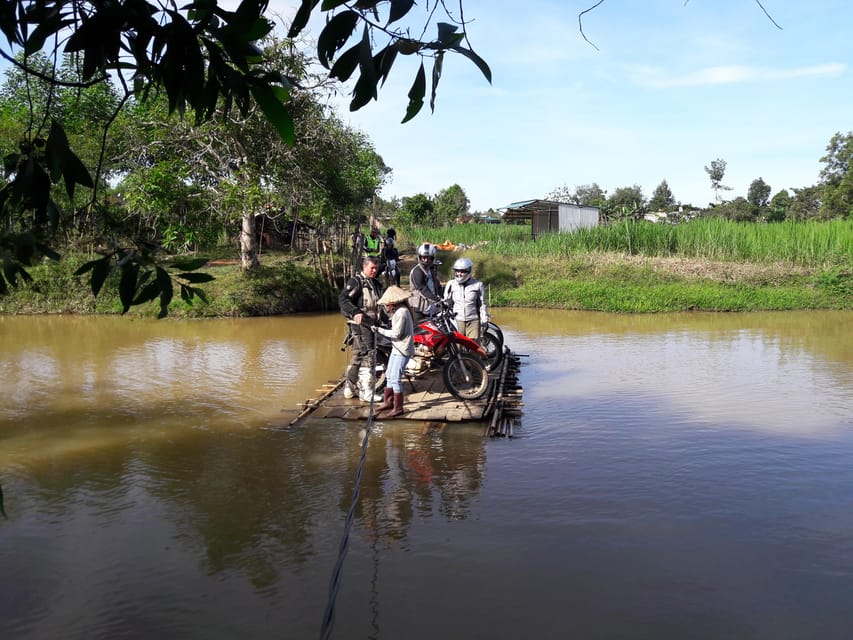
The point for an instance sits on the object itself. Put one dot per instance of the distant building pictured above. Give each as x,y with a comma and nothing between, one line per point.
546,216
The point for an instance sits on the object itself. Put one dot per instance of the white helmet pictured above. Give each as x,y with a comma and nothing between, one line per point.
426,253
462,270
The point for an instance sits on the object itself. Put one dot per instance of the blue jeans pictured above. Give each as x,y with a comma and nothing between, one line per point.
394,376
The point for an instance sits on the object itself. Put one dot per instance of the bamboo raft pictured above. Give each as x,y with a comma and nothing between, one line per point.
427,399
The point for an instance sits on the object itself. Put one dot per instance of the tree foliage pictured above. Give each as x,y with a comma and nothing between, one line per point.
716,172
199,58
626,202
364,39
758,194
779,205
450,205
662,198
837,177
806,203
416,210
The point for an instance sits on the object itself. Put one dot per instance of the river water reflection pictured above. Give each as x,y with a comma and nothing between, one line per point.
677,476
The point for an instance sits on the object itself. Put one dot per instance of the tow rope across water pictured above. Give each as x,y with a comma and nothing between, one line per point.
335,583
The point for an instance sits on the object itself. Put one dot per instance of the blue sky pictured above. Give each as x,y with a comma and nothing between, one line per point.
670,87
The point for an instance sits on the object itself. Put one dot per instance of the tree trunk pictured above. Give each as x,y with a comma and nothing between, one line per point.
248,243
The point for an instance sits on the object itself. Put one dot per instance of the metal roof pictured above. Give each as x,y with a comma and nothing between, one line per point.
524,203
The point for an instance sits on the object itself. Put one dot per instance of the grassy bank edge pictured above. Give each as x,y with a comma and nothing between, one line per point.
589,281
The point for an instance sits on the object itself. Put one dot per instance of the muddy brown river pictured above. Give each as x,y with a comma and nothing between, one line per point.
674,476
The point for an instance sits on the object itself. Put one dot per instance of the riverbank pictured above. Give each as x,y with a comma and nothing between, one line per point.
591,281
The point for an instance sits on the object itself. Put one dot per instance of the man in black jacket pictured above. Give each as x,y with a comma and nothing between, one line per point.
424,284
359,302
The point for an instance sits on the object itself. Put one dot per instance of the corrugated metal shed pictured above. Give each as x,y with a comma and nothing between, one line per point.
546,216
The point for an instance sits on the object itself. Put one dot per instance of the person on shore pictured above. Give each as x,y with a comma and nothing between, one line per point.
424,284
391,257
401,335
373,243
467,296
359,303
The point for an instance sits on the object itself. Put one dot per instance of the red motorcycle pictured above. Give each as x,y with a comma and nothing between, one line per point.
463,362
461,359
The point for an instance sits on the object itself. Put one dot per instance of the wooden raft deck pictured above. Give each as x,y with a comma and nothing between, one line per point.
427,399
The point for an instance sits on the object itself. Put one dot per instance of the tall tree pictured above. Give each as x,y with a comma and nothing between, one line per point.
758,196
589,195
662,198
416,210
560,194
450,205
716,172
626,202
837,177
779,205
806,203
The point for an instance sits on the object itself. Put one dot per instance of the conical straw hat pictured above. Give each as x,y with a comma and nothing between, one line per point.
394,295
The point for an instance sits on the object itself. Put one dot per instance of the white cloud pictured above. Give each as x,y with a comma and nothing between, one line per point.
731,74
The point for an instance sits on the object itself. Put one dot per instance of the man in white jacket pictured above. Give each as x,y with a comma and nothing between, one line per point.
468,297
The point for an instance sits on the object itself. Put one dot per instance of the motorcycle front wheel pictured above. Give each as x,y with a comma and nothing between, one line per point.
465,377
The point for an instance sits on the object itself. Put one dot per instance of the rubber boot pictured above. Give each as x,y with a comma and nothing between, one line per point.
388,399
349,390
365,380
398,406
351,384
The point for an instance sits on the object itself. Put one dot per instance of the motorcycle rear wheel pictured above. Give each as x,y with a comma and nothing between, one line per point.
493,347
465,377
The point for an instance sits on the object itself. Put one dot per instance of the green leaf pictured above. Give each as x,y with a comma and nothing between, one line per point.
477,60
56,151
365,86
48,22
301,17
75,173
48,251
52,214
331,4
436,76
416,95
448,35
186,295
384,60
190,264
196,278
166,291
275,111
10,270
100,271
399,8
10,163
345,64
127,284
148,293
86,267
200,293
334,35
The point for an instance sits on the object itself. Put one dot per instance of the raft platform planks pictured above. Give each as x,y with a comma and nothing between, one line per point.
427,399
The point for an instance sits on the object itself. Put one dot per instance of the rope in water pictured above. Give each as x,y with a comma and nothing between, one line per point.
335,583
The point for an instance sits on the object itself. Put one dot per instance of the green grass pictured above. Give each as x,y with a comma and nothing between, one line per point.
810,244
280,286
708,264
